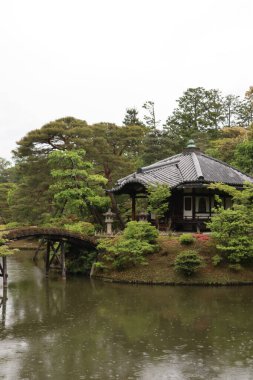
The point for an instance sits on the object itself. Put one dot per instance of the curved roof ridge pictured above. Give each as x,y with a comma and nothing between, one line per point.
146,169
197,165
162,162
225,164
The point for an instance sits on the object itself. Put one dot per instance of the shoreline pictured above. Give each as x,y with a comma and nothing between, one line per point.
172,283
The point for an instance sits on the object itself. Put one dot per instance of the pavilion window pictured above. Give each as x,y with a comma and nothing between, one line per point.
202,205
187,203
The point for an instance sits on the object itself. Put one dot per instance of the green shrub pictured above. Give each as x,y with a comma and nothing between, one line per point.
84,228
216,260
143,231
235,267
14,225
232,228
5,250
188,262
186,239
130,249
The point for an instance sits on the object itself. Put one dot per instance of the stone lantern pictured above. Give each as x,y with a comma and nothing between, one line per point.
109,215
143,216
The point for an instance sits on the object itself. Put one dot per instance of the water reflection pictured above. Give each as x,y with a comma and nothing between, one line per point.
92,330
3,301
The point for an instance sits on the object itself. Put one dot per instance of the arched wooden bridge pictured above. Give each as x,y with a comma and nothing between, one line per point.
51,233
55,240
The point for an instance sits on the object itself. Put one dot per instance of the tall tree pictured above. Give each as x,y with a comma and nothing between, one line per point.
75,187
198,110
150,118
224,146
231,105
113,150
131,117
245,111
31,200
244,156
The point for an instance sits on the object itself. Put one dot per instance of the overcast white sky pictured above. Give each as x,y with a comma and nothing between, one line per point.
92,59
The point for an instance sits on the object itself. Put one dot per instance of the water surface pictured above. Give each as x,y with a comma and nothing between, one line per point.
82,329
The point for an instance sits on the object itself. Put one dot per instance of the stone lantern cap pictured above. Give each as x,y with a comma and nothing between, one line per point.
109,215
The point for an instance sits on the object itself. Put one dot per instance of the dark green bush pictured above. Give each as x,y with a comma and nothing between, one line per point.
186,239
79,261
188,262
129,249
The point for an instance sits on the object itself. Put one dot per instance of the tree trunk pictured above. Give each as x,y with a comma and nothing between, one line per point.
97,217
115,209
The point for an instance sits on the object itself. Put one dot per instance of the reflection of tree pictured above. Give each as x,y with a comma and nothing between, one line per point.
102,330
3,302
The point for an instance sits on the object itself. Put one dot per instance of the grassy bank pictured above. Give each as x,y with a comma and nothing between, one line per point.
159,267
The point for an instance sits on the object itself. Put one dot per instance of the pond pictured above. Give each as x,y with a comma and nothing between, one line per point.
82,329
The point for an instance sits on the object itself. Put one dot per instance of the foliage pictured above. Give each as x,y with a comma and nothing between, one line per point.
150,117
198,110
5,170
224,147
235,267
29,199
245,109
79,261
5,190
231,108
142,231
188,262
186,239
113,150
216,260
75,188
84,228
5,250
14,225
244,156
130,248
158,197
232,228
131,117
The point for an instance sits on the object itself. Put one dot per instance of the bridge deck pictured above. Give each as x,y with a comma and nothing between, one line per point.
51,233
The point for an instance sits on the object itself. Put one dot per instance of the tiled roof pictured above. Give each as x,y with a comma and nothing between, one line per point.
191,166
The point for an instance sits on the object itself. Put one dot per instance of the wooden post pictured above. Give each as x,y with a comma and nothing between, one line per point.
194,209
193,204
63,264
210,204
133,207
5,274
47,257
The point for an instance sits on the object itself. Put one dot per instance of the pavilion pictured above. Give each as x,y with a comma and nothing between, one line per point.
188,175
